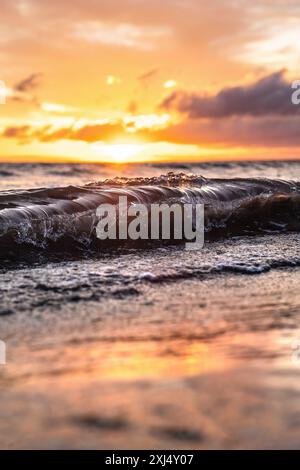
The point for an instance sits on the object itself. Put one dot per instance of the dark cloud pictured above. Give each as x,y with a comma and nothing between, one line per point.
270,95
265,131
23,91
144,77
29,83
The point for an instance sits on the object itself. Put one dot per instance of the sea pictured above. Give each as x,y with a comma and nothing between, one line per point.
136,344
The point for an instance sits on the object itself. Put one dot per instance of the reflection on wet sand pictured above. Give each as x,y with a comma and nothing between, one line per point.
162,357
186,364
140,394
123,360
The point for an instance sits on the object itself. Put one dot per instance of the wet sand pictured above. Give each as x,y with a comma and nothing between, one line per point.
192,363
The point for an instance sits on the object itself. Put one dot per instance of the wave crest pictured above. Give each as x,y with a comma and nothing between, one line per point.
47,216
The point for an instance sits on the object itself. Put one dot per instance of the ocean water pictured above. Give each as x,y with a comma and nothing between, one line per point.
99,336
56,209
50,254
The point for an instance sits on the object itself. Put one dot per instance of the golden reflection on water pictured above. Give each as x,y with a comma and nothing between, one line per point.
171,359
128,360
143,358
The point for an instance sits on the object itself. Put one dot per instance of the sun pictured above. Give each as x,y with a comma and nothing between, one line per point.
122,153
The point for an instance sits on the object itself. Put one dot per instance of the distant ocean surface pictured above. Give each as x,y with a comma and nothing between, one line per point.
34,175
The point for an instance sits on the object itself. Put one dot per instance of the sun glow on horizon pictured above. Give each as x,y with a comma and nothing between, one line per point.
132,83
121,153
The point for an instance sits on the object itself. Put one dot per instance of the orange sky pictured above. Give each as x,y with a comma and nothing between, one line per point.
135,80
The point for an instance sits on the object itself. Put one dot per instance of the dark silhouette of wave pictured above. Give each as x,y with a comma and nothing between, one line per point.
47,217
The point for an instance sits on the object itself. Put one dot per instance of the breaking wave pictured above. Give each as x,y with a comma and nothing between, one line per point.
44,217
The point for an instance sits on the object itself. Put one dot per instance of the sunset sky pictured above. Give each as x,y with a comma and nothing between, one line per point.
135,80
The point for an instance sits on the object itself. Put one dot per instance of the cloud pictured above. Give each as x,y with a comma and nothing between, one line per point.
264,131
144,77
112,80
29,83
121,34
280,47
270,95
86,133
57,108
23,90
24,7
20,132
